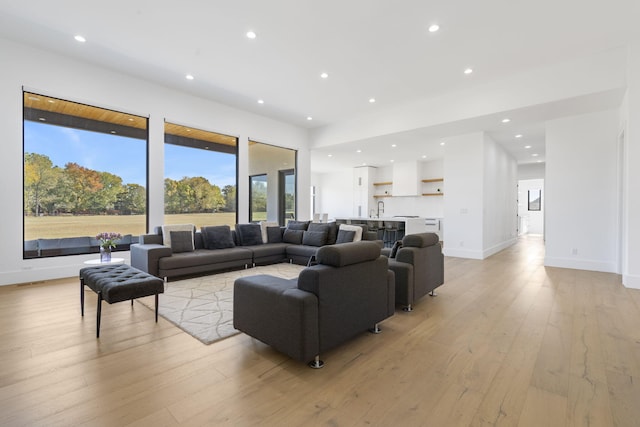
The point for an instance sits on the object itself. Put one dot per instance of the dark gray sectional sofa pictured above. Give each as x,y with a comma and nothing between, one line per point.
220,248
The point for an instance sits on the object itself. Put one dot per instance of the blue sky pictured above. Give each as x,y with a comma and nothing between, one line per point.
123,156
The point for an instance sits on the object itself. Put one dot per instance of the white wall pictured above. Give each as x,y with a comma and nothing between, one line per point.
60,76
531,171
334,193
463,199
500,193
581,201
631,179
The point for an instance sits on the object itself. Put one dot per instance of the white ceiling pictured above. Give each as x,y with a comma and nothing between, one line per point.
369,48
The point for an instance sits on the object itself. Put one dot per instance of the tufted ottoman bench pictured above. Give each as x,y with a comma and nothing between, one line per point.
115,283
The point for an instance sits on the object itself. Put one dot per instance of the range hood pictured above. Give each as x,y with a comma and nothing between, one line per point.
406,179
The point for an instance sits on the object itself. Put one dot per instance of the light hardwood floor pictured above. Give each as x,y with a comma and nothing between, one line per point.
506,342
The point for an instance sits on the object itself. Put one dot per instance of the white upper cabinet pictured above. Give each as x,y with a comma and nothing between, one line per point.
406,179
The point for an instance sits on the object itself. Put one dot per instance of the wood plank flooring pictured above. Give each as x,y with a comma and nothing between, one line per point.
507,342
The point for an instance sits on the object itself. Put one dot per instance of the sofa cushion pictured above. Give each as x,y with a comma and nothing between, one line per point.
355,228
314,238
298,225
345,236
292,236
249,234
181,241
274,234
347,254
217,237
167,229
332,234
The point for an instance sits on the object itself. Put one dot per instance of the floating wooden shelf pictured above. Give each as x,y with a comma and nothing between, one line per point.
433,194
431,180
383,183
381,195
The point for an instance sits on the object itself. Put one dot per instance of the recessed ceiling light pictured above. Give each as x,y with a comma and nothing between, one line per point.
130,119
538,161
442,143
251,34
468,71
424,156
519,135
506,120
309,118
358,151
33,98
364,164
433,28
372,100
394,145
51,101
324,75
260,101
534,155
329,155
188,77
113,131
80,39
391,160
527,146
42,119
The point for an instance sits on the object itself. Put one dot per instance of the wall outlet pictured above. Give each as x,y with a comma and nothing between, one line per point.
574,251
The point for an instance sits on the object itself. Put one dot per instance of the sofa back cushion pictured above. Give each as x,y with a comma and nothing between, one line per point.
347,254
298,225
314,238
217,237
345,236
249,234
420,240
263,228
181,241
274,234
293,236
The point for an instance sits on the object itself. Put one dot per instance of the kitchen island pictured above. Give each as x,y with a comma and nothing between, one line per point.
402,225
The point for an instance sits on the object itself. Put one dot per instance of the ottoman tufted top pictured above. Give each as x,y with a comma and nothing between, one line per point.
120,282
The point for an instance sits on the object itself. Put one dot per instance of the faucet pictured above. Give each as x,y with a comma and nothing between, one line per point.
380,210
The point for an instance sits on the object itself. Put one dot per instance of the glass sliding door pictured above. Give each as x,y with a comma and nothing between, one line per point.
258,198
287,195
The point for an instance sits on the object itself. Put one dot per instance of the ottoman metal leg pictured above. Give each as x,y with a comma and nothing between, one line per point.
98,315
157,308
82,297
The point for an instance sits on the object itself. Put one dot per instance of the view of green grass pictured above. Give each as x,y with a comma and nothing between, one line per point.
49,227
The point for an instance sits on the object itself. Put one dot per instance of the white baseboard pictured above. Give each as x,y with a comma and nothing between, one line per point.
581,264
631,281
497,248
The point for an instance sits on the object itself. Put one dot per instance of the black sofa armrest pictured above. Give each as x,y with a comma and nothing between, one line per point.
404,281
146,239
276,312
145,256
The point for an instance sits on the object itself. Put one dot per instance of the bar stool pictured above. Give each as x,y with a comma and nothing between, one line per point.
390,234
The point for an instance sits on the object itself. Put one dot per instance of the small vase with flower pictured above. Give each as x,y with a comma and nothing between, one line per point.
107,241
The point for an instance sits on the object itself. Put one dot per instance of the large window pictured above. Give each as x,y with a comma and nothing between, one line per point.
200,169
84,173
273,183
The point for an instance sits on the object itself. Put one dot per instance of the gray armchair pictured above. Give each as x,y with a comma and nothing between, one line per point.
348,292
418,267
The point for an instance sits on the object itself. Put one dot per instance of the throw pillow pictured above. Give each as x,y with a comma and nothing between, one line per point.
314,238
263,229
249,234
292,236
274,234
355,228
345,236
298,225
167,229
394,250
217,237
181,241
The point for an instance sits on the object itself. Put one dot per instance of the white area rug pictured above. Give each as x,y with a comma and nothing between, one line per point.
203,306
